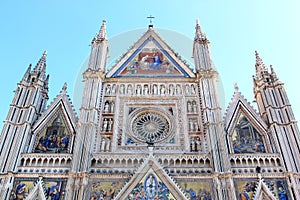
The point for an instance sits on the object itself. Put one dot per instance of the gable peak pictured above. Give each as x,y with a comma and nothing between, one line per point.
236,87
64,88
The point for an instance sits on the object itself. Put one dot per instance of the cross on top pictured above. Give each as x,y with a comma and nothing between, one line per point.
150,20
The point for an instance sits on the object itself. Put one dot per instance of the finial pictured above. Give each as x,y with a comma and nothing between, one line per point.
199,35
236,87
102,33
64,88
259,65
150,21
41,65
103,30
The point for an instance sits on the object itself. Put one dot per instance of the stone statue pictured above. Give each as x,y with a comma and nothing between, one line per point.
106,107
105,123
189,106
110,123
107,91
112,107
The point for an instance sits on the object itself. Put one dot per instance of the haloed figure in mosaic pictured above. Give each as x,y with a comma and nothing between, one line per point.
246,138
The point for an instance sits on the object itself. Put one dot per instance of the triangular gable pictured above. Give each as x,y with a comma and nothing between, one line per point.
61,117
239,105
60,103
150,56
262,192
151,181
38,192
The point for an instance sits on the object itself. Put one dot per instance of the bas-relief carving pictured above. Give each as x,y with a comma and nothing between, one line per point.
246,139
55,138
54,188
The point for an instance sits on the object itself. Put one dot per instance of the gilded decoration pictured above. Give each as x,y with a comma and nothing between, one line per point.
150,188
150,60
245,138
247,188
196,190
105,189
54,189
55,138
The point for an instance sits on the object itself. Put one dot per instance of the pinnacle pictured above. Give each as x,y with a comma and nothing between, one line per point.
259,65
199,35
102,33
41,65
236,87
64,88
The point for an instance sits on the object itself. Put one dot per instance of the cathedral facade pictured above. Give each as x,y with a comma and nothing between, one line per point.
149,128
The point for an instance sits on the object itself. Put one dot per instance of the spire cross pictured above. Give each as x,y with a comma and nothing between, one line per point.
150,19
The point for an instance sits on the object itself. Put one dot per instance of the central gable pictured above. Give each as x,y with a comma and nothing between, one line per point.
150,57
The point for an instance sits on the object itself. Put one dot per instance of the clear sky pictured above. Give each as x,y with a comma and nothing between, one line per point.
65,28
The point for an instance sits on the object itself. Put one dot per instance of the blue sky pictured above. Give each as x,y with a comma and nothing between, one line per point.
65,29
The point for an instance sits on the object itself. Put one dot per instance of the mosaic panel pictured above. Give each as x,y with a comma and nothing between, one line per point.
150,188
106,189
55,138
55,188
246,139
197,189
245,188
150,60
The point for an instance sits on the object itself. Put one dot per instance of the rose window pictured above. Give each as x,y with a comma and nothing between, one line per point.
150,125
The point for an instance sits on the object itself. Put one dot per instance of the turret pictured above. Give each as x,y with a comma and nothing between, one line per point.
88,120
275,109
211,111
28,103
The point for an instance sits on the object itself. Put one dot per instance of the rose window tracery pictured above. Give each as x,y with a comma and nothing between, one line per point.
150,125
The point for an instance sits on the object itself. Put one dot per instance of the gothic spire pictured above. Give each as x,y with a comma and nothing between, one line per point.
259,65
41,65
101,36
199,35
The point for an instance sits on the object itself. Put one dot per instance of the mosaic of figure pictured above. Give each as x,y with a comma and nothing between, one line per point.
54,189
105,190
21,191
278,187
150,60
246,139
196,190
246,188
150,188
54,139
